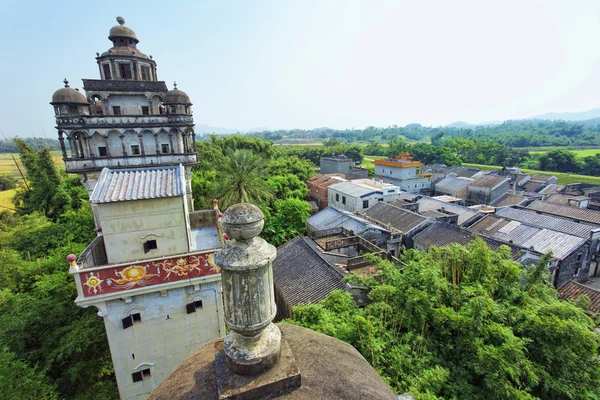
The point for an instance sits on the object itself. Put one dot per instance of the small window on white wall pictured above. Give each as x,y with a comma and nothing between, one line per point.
164,148
135,149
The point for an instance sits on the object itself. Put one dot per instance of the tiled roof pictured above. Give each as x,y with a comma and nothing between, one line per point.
489,181
541,177
558,198
443,234
396,217
451,184
583,214
508,199
303,275
547,221
138,184
326,180
532,187
572,290
464,213
553,188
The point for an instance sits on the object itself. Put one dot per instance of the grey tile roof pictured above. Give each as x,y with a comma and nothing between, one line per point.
582,214
553,188
303,275
333,218
464,213
547,221
542,177
443,234
451,184
572,290
532,187
489,181
508,199
559,198
396,217
138,184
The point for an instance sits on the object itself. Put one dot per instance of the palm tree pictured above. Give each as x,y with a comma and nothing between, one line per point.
242,178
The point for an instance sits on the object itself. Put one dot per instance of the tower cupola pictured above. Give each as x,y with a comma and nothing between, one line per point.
67,100
121,35
177,101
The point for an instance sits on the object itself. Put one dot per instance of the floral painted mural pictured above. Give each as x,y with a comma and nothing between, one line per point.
141,274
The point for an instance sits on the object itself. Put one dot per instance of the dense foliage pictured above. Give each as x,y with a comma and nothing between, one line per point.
50,348
466,323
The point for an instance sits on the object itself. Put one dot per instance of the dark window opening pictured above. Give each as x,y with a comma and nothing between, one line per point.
135,149
365,203
131,319
192,307
133,356
172,109
164,148
150,245
145,72
337,197
187,109
146,373
73,110
106,69
137,317
343,199
579,257
117,110
102,151
137,376
125,71
145,110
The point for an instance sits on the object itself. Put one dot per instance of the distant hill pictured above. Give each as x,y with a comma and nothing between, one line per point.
571,116
207,129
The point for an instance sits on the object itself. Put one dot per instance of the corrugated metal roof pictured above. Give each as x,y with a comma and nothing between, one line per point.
352,189
396,217
547,221
333,218
542,240
489,181
464,213
138,184
443,234
567,211
559,243
451,184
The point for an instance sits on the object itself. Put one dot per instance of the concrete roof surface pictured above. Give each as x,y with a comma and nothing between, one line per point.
547,221
330,368
464,213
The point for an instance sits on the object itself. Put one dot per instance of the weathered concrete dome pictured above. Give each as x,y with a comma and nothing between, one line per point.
177,96
121,31
68,95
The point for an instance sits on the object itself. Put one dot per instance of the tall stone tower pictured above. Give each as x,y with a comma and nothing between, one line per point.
150,270
127,118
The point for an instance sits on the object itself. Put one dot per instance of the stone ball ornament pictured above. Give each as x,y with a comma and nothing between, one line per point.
72,260
243,221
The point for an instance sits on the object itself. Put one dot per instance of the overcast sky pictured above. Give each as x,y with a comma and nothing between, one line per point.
306,64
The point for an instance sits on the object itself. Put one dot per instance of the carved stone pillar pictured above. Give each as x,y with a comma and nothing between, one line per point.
156,143
253,344
194,142
171,142
106,146
141,139
62,144
122,136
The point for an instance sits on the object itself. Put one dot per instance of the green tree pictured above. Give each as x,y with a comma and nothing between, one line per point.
466,323
286,186
560,161
20,381
46,192
241,179
287,220
7,182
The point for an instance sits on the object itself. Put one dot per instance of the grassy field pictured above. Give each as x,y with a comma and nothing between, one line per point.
367,160
578,153
5,200
563,178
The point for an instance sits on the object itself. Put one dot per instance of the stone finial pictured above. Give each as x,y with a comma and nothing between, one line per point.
121,20
66,82
174,85
253,344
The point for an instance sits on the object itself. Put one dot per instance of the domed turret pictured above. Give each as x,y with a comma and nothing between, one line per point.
121,35
177,96
68,95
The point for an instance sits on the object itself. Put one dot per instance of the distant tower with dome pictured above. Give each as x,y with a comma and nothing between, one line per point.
125,119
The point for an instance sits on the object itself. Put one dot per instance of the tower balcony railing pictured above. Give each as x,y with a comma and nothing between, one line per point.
122,121
79,165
